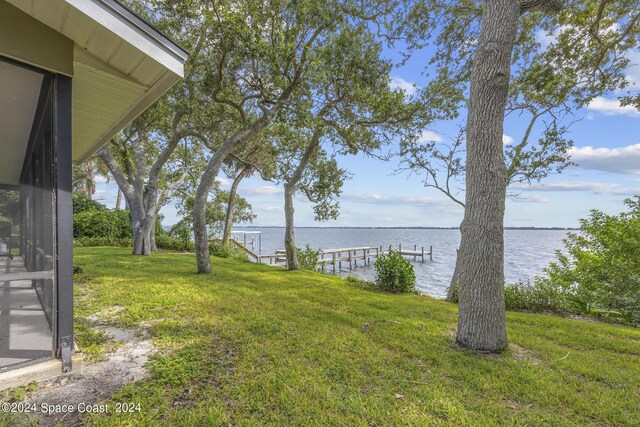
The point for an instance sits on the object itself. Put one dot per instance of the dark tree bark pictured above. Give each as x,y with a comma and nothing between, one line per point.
482,316
482,321
228,221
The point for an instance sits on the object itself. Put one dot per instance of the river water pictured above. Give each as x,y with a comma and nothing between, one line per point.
527,252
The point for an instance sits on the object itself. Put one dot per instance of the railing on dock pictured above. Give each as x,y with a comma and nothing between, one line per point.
349,256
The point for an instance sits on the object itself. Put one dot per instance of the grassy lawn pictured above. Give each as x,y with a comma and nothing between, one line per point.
257,345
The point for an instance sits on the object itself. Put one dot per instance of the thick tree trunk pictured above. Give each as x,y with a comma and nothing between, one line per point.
482,316
203,258
289,231
141,238
228,221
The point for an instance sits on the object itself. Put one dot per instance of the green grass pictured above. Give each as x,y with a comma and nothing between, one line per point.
256,345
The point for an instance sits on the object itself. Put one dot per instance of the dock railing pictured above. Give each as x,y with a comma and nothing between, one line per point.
335,258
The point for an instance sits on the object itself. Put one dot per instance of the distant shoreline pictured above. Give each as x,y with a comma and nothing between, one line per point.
413,228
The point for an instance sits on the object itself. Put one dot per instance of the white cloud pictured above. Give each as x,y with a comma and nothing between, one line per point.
506,140
602,188
429,136
405,86
261,190
611,107
618,160
529,198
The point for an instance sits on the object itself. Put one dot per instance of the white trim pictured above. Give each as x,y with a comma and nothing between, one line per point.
95,10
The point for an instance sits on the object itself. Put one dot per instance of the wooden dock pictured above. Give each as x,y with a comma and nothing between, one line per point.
335,258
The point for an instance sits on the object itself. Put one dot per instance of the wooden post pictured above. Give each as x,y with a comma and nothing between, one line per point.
340,260
431,253
415,249
423,254
334,262
349,260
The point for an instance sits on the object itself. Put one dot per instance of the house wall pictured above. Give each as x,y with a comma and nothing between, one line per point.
27,40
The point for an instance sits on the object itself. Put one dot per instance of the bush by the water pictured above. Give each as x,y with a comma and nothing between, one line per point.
541,295
599,275
308,258
394,273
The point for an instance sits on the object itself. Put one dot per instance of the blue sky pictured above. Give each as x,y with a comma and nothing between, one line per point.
607,149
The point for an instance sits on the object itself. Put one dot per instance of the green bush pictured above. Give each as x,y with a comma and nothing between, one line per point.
220,250
394,273
308,258
164,241
360,283
540,296
106,224
103,241
600,273
82,203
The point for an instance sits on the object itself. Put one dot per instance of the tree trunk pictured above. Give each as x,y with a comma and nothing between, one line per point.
154,248
228,221
203,259
482,315
141,238
119,199
289,231
455,279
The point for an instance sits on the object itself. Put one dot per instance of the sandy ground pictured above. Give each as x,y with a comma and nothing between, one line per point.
96,382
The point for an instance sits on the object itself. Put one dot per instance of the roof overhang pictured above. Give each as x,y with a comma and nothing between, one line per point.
121,64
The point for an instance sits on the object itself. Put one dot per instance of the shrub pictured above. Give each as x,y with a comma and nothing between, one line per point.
164,241
82,203
182,232
94,224
103,241
105,223
600,274
220,250
394,273
360,283
539,296
308,258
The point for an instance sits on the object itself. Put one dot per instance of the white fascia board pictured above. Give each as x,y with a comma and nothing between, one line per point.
105,14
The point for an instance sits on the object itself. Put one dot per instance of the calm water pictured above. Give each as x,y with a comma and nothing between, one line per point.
526,251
